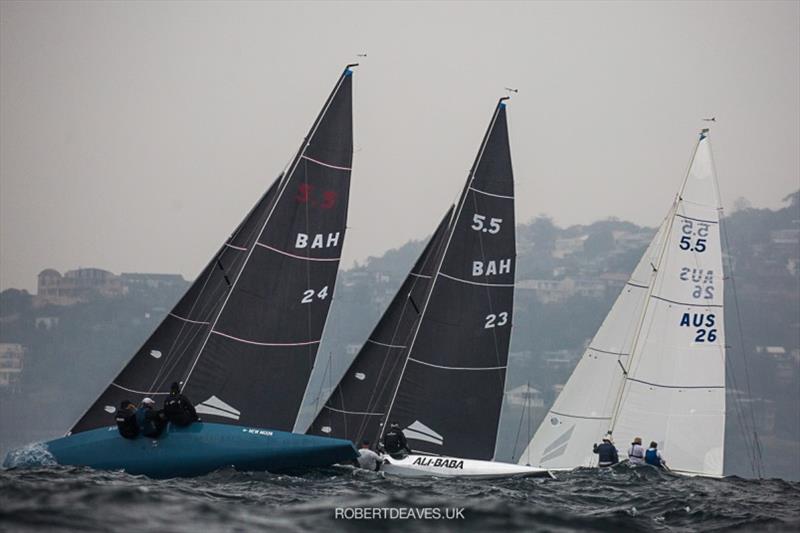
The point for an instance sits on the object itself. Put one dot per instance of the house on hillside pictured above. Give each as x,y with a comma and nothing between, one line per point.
11,363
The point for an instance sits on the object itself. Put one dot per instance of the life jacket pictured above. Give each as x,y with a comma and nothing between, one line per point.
636,454
126,424
395,442
152,424
651,457
179,411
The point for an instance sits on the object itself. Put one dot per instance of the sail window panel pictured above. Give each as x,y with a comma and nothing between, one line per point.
453,404
494,173
264,383
689,425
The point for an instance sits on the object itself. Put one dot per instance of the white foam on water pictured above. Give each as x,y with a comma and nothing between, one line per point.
30,455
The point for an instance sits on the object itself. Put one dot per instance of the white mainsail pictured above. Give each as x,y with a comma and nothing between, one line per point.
656,367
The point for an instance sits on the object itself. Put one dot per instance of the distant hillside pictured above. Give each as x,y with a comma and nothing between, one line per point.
567,279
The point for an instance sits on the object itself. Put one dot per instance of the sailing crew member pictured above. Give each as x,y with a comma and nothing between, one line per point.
394,442
636,452
177,408
653,456
151,422
126,420
367,459
607,452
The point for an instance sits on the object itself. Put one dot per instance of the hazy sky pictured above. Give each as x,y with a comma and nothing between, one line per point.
135,136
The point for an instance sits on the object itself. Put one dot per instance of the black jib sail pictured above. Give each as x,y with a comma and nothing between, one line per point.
356,407
244,337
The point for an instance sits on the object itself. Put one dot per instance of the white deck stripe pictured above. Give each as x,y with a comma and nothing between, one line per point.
457,367
257,343
187,320
236,247
477,282
146,393
352,412
491,194
383,344
325,164
419,275
297,256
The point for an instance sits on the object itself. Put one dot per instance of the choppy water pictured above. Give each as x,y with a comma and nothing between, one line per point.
55,498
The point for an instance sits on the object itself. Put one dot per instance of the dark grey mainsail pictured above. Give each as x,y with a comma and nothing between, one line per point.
356,407
436,362
244,337
450,392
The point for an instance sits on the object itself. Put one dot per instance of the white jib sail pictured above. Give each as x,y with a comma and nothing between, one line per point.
656,367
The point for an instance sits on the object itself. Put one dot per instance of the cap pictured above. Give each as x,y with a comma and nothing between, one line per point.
148,401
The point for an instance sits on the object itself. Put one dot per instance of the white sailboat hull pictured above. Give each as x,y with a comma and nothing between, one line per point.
443,466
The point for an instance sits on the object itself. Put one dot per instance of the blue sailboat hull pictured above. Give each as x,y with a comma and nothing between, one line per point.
199,449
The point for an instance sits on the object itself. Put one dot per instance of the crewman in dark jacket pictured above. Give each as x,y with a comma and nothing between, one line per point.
394,442
177,408
151,422
607,452
126,420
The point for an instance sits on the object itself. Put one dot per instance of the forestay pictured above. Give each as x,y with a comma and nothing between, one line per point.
656,368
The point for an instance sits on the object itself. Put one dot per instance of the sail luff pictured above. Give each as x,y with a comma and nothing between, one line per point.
456,215
283,186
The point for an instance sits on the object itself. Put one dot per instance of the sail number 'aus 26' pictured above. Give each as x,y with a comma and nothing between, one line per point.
704,323
479,224
691,229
